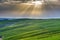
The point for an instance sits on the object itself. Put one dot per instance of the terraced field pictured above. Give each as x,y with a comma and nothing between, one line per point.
30,29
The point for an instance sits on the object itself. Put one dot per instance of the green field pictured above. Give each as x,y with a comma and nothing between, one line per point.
30,29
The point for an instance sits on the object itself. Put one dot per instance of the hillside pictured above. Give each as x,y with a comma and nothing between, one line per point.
38,29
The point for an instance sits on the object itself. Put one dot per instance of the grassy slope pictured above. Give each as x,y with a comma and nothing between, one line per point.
31,30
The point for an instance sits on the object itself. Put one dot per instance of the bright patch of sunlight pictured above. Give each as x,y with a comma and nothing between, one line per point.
37,2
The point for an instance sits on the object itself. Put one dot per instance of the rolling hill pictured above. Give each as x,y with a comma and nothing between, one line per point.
30,29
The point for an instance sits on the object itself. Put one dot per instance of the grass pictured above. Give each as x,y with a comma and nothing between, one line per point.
30,29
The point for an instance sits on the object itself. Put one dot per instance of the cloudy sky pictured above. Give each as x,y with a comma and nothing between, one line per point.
29,10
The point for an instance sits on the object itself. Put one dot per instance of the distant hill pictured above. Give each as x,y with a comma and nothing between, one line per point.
3,19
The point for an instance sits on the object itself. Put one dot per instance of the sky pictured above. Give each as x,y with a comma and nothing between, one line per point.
29,10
